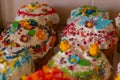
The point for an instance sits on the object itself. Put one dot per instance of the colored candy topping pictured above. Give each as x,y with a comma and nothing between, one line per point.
13,27
15,23
25,38
32,22
52,41
34,6
73,59
117,77
64,45
94,50
41,35
26,25
86,11
89,22
31,33
23,6
48,74
84,62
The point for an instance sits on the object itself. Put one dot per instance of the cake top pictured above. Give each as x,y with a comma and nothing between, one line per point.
27,34
47,73
36,9
10,62
87,30
42,13
88,11
84,64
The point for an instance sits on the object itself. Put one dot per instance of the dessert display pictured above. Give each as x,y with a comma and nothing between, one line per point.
28,34
82,63
34,29
88,25
47,73
27,40
42,13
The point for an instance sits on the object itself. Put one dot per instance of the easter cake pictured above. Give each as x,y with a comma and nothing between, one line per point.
84,64
28,34
42,13
86,30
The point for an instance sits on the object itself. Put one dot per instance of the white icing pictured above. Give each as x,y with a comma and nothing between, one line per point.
54,18
77,68
83,37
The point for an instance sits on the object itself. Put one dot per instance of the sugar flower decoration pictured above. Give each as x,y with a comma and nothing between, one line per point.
34,6
13,27
26,25
117,77
64,45
91,22
31,32
32,22
101,23
41,35
73,59
85,11
25,38
94,50
47,73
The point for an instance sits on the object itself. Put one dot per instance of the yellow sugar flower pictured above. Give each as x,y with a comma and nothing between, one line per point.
1,60
1,53
64,45
12,64
34,6
41,35
24,77
94,50
118,77
4,70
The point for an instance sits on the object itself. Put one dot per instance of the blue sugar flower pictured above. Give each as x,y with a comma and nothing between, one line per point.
83,20
32,22
90,11
73,59
74,14
13,29
100,23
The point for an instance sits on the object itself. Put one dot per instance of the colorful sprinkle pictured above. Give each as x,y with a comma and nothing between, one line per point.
25,38
31,32
73,59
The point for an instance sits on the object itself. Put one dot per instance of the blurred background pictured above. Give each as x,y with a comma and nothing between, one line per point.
8,8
